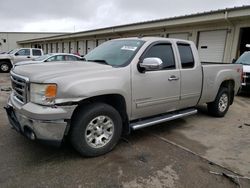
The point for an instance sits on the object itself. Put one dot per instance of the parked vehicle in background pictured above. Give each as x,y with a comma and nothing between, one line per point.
51,58
7,60
124,85
244,60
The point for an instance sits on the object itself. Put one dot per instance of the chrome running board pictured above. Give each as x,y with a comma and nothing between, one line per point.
162,118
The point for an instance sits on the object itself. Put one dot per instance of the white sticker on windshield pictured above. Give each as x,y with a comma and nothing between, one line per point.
132,48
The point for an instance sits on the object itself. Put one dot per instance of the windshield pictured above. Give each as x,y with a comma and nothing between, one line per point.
115,53
12,51
244,59
43,57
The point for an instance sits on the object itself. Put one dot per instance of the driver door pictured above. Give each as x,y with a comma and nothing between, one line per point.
155,92
22,55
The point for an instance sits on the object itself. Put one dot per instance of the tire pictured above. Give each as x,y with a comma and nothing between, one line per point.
5,67
101,123
220,106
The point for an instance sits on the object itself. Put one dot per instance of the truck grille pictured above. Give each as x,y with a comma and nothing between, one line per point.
19,85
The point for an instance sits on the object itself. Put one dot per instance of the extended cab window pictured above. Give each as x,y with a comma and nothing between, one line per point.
186,55
36,52
164,52
23,52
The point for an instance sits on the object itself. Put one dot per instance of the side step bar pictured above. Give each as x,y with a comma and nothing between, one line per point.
163,118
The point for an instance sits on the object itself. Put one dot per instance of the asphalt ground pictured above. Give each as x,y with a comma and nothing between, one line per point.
189,152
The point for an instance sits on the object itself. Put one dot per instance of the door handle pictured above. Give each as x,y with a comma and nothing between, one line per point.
28,57
172,78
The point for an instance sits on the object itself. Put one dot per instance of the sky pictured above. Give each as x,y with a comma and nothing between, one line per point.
82,15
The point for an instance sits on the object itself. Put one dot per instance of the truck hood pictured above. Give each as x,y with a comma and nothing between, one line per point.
27,63
49,72
6,56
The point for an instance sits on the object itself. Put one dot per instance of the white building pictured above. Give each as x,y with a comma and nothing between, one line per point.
8,40
220,35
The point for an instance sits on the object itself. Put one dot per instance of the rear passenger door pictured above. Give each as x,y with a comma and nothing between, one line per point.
191,75
154,92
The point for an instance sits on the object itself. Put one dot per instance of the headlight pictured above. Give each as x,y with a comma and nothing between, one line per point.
44,94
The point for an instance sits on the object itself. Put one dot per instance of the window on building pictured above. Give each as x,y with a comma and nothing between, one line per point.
164,52
186,55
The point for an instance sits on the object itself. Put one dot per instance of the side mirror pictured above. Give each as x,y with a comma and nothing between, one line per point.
234,60
17,54
151,64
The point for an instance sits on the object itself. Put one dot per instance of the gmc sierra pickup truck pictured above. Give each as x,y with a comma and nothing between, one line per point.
123,85
7,60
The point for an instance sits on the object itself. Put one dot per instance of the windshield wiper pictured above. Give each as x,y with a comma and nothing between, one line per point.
102,61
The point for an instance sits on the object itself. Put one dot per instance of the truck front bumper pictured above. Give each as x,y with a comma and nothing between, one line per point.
49,128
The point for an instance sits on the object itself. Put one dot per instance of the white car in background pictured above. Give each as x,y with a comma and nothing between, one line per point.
52,57
244,59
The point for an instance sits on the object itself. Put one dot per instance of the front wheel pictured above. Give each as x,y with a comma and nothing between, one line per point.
5,67
220,106
95,129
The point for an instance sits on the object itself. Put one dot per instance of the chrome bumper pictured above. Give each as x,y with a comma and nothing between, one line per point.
49,128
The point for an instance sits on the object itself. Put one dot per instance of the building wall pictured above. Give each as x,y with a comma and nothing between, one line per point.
175,28
192,32
8,40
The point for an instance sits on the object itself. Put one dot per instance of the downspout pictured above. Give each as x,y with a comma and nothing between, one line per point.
233,33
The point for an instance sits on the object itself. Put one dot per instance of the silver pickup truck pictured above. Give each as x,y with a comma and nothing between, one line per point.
12,57
123,85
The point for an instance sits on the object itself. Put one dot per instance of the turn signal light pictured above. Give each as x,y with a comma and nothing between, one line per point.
51,91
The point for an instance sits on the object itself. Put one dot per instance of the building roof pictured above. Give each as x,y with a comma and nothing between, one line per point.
208,16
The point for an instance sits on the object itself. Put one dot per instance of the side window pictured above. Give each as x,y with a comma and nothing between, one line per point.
36,52
186,55
23,52
71,58
53,58
60,58
164,52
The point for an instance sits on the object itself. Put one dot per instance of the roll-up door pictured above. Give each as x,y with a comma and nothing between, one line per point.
53,50
82,47
90,45
59,47
211,45
183,36
49,47
66,47
100,41
73,47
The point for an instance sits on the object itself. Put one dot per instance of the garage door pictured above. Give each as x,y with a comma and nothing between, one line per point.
66,47
73,47
100,41
183,36
82,47
90,45
59,47
211,45
53,50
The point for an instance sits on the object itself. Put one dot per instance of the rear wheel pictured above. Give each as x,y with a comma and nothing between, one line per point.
95,129
5,66
220,106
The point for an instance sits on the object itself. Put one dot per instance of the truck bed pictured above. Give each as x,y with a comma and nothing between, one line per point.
214,73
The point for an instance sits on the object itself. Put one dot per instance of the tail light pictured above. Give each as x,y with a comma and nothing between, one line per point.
240,70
